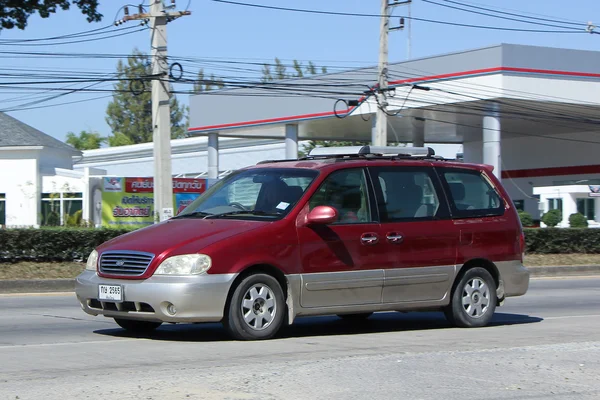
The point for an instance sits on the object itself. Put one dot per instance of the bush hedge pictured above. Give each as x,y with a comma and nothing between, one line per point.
73,244
56,244
578,221
526,218
552,218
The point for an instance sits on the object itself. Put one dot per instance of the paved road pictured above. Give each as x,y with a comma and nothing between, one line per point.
545,345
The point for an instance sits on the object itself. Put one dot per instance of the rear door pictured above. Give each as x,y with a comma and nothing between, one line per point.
341,262
417,233
479,213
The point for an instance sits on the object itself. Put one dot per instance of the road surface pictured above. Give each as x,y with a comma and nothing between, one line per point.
544,345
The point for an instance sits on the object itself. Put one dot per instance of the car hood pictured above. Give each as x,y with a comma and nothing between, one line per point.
178,234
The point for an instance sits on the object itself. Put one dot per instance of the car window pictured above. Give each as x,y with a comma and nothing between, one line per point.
346,191
406,194
471,194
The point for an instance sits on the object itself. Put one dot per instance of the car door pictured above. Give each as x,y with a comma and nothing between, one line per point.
417,233
341,262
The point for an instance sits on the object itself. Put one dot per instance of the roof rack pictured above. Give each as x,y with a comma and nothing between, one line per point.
365,151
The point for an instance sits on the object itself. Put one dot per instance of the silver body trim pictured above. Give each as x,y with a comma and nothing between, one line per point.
199,298
124,263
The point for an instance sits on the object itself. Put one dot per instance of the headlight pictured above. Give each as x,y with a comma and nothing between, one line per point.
92,261
187,264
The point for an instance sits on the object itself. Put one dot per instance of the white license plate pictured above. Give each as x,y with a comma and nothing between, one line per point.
110,292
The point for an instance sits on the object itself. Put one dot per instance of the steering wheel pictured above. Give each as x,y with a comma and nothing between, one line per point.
238,205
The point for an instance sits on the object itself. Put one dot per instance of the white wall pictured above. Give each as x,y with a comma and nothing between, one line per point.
21,184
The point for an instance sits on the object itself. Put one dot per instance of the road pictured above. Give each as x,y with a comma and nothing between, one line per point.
544,345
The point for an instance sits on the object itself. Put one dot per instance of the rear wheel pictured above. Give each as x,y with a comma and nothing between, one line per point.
134,326
474,299
257,308
355,317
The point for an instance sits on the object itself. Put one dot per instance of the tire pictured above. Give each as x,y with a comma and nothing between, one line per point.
355,317
473,300
140,327
257,308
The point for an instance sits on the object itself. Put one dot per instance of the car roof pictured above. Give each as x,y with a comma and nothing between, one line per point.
329,164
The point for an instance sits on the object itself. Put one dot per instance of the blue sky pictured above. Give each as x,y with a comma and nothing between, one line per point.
217,30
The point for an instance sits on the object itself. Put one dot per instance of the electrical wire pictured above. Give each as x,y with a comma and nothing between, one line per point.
128,30
581,26
339,13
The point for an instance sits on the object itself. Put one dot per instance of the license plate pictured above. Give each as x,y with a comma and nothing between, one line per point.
110,292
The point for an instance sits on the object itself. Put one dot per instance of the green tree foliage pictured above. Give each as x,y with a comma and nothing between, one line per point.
526,218
16,13
85,140
552,218
202,84
578,220
278,70
129,114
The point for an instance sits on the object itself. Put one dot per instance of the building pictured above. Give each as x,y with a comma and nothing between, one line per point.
530,112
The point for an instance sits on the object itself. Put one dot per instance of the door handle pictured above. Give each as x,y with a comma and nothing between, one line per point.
394,237
369,238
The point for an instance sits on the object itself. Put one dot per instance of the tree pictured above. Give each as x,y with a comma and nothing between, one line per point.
129,114
280,70
202,84
85,140
16,13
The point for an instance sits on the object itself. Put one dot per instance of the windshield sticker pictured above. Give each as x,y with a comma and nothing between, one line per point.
283,205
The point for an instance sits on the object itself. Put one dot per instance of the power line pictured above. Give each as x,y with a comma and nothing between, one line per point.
582,26
339,13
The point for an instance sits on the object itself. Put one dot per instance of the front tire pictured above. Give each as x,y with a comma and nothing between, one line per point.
139,327
257,308
473,300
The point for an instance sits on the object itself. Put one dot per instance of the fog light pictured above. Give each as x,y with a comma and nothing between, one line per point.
171,309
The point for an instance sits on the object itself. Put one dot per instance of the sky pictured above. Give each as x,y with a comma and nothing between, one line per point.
217,31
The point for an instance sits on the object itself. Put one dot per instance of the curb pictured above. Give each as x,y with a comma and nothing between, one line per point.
68,285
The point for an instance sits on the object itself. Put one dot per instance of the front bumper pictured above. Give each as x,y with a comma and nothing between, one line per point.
199,298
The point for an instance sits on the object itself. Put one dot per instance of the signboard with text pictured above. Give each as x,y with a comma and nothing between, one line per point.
130,201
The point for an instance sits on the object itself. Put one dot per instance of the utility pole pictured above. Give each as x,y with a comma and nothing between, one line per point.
379,137
161,110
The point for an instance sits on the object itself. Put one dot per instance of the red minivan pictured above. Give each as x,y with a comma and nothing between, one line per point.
346,231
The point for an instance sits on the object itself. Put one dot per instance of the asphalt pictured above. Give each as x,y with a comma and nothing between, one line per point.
68,285
544,345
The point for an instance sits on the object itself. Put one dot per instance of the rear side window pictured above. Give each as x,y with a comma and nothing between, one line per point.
407,194
471,194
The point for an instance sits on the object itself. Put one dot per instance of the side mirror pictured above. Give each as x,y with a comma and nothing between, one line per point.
322,215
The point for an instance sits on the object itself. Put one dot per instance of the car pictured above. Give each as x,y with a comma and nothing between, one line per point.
345,231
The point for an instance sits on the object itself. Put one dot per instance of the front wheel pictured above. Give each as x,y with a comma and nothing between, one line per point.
257,308
474,299
140,327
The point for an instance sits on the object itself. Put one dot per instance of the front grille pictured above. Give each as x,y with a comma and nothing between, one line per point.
127,306
126,263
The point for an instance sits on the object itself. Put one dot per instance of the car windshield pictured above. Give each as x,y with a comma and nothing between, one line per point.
265,193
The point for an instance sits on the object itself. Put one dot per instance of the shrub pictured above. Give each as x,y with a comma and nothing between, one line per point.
578,221
552,218
526,218
74,219
52,244
562,241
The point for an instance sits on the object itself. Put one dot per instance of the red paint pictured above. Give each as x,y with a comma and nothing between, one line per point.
551,171
428,78
322,215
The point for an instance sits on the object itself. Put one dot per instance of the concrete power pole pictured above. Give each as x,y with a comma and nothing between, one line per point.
161,110
380,135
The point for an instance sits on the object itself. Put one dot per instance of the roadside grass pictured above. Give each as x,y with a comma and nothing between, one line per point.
68,270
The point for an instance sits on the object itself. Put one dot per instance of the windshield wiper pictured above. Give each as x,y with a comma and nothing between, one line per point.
195,214
251,212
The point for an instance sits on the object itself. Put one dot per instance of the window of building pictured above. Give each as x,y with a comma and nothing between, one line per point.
61,208
2,209
587,207
555,204
472,194
519,204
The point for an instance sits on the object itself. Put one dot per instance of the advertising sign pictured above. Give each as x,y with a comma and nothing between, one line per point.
130,201
594,190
